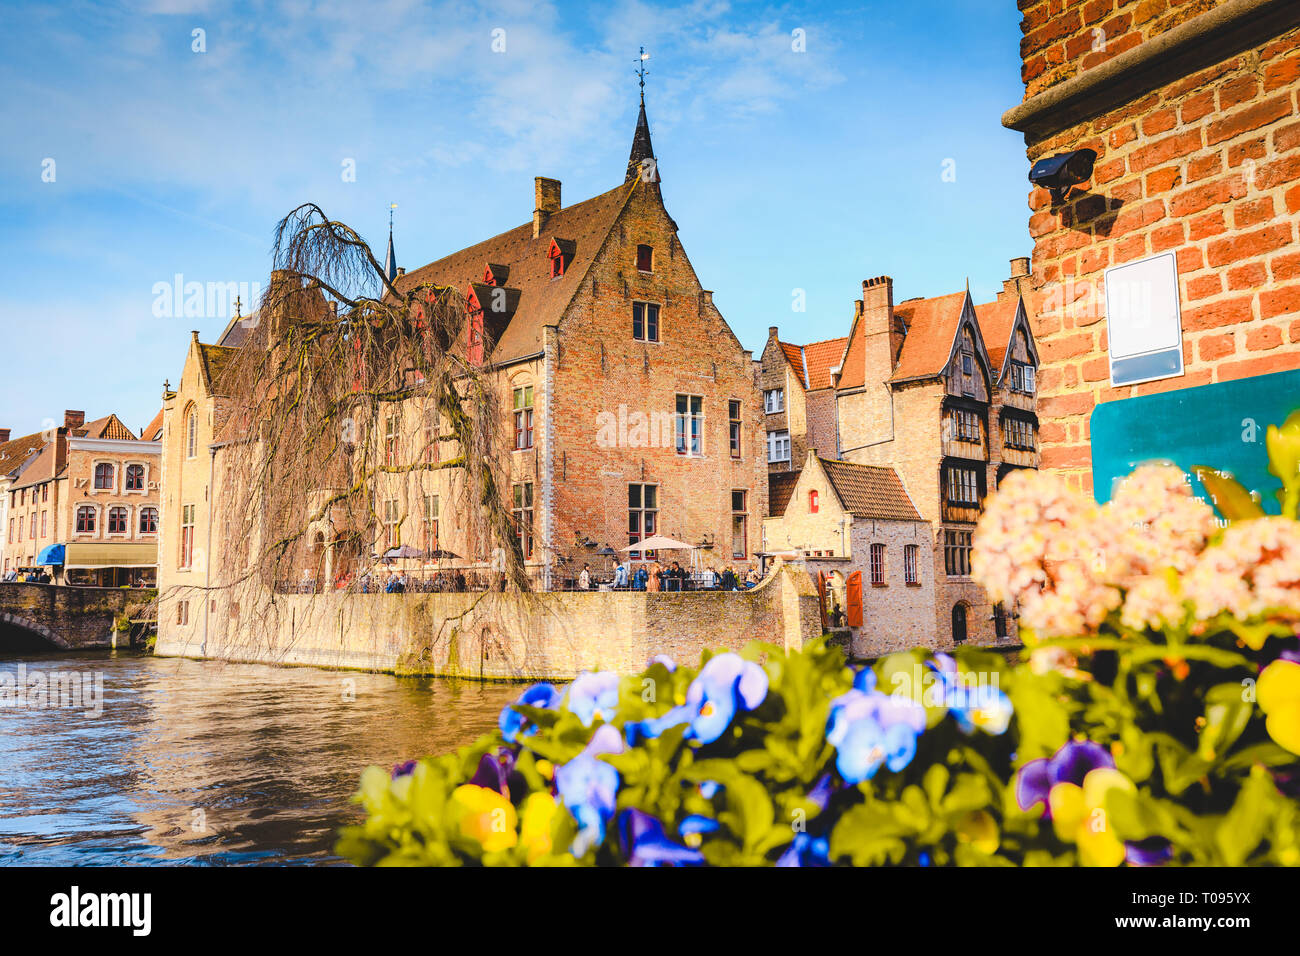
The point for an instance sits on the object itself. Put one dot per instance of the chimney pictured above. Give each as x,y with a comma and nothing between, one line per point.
881,341
401,270
771,331
546,200
4,435
1019,272
73,420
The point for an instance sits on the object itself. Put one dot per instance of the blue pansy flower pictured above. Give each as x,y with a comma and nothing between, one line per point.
696,825
512,722
588,788
726,684
806,850
594,695
665,660
644,842
981,706
865,746
884,709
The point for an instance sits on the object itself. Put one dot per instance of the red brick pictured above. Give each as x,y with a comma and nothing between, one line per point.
1202,287
1161,121
1286,267
1191,201
1282,73
1204,166
1252,213
1133,247
1284,170
1264,365
1248,245
1286,138
1162,151
1166,237
1210,224
1236,91
1263,338
1068,456
1211,347
1194,107
1292,199
1283,301
1250,149
1190,259
1163,180
1122,135
1096,369
1216,315
1249,276
1252,117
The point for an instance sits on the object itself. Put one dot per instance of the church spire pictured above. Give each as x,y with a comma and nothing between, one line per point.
641,148
390,260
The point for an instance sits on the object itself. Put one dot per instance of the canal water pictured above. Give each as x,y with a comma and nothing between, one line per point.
208,762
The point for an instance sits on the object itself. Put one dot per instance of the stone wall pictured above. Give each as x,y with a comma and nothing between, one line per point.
495,636
65,618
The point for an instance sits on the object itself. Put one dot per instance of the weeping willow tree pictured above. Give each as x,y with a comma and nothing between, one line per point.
355,422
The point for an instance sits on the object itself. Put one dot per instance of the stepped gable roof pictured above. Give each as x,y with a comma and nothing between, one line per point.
870,491
542,300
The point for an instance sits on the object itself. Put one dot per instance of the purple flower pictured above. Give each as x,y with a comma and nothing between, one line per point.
1070,764
644,842
1153,851
402,769
512,722
594,695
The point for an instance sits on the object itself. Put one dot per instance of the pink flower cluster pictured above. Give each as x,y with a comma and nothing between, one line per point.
1068,563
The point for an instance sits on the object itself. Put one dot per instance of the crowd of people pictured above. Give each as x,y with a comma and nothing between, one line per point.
672,577
37,576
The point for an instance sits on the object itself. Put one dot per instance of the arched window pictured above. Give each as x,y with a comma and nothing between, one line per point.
135,477
104,476
85,520
958,623
117,519
191,432
148,520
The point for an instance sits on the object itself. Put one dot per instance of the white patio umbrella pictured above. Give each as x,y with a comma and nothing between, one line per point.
659,542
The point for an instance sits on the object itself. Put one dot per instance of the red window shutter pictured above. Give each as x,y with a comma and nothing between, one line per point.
855,599
812,501
476,338
821,600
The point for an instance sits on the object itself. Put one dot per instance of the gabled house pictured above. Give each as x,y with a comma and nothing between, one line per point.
943,390
798,399
857,531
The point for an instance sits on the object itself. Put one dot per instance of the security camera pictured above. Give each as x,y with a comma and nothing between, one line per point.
1058,173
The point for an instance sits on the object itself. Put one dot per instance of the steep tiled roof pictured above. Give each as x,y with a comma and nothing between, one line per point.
153,431
110,426
780,486
821,357
870,491
41,469
542,300
18,450
931,329
794,355
996,320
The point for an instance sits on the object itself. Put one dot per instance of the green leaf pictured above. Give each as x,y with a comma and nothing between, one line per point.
1229,496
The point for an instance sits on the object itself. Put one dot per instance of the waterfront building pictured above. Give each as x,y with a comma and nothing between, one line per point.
85,505
15,455
940,392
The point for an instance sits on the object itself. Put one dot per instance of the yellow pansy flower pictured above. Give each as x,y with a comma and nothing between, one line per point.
486,816
1279,697
1079,816
535,827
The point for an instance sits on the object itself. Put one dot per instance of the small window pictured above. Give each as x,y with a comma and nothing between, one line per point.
523,401
642,518
877,565
774,400
812,501
117,521
956,553
182,612
192,434
148,520
778,446
690,425
135,477
963,486
739,525
645,322
644,259
910,575
103,477
523,515
391,436
733,426
85,521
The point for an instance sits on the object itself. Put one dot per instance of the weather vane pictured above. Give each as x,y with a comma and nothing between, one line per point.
641,72
391,207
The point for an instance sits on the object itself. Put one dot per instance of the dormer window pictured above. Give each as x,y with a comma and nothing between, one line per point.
494,274
474,328
560,254
645,258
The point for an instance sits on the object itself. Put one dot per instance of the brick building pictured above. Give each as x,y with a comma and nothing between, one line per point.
15,455
798,399
859,535
1192,111
633,406
86,505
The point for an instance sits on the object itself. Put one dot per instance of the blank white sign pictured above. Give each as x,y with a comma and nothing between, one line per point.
1143,319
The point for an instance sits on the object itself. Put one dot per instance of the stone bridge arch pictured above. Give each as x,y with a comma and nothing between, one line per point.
18,633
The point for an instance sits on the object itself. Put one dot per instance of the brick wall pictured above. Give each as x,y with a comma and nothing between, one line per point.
1206,165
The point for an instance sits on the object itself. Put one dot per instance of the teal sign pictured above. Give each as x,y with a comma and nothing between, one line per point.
1221,426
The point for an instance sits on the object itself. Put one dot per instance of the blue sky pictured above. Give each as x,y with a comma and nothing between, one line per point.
784,169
